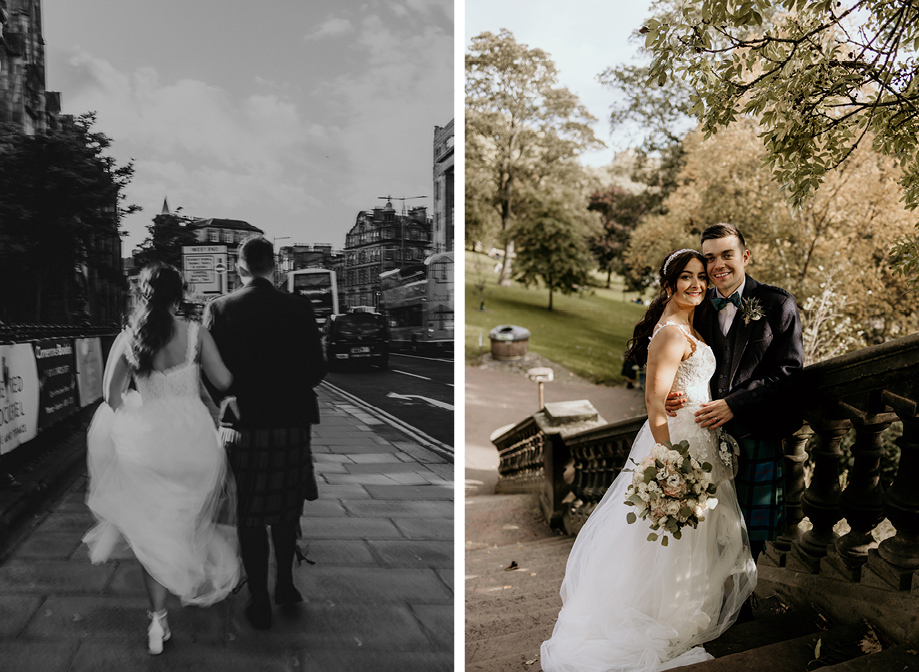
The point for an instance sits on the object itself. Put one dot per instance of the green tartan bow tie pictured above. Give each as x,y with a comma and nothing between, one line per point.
720,303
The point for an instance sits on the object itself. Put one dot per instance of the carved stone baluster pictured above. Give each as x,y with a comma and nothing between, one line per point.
795,458
861,500
820,501
895,561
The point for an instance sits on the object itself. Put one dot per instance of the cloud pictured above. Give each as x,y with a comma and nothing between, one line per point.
331,28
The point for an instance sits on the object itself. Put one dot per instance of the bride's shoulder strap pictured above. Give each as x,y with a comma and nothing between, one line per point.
682,327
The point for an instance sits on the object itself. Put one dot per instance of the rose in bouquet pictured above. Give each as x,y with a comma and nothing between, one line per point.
671,489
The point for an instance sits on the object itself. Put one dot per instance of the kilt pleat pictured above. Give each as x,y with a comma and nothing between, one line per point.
760,484
274,473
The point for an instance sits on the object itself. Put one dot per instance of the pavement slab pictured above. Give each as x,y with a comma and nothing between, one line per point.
379,596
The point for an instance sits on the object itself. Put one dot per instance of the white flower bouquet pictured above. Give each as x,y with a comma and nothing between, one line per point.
671,489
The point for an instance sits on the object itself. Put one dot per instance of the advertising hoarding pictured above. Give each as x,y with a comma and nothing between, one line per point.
57,380
19,393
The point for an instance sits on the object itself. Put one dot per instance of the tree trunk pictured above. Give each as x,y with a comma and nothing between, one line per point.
504,279
609,275
550,298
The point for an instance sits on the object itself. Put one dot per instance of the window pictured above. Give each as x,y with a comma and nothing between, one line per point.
213,236
228,236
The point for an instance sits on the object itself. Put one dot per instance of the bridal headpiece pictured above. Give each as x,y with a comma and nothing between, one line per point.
671,257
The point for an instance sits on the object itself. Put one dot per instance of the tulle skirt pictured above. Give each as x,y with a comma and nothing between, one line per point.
159,484
635,605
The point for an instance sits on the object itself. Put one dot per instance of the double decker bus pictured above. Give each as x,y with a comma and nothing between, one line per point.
418,303
319,286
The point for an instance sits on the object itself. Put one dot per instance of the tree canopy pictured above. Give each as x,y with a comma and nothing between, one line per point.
61,196
522,128
821,75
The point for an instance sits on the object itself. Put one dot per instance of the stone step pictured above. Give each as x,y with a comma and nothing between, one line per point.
897,659
552,557
765,630
524,645
509,622
484,624
514,662
790,654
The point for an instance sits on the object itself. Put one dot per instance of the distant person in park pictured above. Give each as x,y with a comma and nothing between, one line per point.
629,602
270,343
158,475
755,331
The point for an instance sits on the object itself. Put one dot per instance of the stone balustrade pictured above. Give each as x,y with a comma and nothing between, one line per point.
572,464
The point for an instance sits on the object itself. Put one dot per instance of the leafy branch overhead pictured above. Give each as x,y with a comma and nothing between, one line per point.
821,75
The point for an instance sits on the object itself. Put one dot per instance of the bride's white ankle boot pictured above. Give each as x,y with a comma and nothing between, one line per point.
158,632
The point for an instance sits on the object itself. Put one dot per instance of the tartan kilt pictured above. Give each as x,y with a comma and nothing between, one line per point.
760,484
273,469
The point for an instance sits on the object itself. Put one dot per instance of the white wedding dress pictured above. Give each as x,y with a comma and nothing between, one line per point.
633,605
158,480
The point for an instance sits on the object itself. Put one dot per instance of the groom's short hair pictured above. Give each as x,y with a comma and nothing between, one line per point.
723,230
256,254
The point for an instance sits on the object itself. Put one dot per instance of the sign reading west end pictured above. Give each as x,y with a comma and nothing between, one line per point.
203,266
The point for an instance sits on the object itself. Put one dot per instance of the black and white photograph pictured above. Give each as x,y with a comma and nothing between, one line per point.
690,264
227,331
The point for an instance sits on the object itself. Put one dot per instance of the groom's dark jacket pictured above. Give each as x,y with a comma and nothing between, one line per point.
269,341
758,362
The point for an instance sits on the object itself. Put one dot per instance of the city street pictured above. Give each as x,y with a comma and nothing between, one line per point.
415,390
378,590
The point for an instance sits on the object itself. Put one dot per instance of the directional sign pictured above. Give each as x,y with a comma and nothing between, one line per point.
204,267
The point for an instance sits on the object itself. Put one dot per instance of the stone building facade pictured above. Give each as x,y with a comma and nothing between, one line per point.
381,240
443,233
24,101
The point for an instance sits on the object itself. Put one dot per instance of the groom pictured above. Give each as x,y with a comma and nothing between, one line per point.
270,343
755,333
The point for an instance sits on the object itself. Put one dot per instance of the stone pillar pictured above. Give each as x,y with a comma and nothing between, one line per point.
795,458
820,501
896,560
861,500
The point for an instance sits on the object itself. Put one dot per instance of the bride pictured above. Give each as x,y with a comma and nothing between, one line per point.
633,605
158,476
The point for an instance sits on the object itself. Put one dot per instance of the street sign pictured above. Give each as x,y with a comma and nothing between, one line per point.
204,267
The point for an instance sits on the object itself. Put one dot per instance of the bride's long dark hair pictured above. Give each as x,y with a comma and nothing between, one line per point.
668,274
151,325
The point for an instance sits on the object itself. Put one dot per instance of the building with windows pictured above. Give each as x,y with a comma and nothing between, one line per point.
443,188
381,240
229,232
23,98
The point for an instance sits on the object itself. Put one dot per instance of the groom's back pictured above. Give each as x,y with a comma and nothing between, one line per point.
269,341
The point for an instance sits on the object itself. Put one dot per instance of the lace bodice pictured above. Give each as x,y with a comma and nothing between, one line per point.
694,372
179,381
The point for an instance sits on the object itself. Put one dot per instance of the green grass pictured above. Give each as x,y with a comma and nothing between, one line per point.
586,333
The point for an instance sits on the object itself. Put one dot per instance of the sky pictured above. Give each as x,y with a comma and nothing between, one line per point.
290,115
583,37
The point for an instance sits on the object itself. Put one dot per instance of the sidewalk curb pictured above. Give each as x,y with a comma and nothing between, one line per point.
429,443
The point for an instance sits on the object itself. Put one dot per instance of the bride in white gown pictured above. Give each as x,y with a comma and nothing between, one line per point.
629,604
158,476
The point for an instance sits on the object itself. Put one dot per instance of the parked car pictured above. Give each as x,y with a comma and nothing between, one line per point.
356,338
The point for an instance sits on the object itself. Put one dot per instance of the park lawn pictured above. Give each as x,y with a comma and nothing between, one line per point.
586,333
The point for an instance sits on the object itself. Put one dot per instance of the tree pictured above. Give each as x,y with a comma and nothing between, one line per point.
552,243
60,196
822,76
529,127
844,231
620,212
166,236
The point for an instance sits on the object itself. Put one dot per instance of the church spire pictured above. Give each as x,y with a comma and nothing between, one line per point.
165,207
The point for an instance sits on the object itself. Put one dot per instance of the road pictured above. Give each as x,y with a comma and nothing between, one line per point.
416,390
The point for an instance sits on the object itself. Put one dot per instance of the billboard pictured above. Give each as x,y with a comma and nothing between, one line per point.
18,395
57,380
205,269
89,369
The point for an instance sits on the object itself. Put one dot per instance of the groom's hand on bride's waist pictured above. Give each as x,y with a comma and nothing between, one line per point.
713,414
675,401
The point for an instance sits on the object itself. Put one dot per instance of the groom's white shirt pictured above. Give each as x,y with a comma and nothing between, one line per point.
726,314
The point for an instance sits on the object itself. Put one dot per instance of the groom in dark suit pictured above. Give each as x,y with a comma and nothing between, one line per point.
755,333
270,343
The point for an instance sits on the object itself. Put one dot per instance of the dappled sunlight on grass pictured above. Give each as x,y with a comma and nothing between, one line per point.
586,332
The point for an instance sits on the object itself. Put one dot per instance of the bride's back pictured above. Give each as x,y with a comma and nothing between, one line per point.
175,351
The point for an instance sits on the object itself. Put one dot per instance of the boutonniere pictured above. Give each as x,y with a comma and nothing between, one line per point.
751,309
